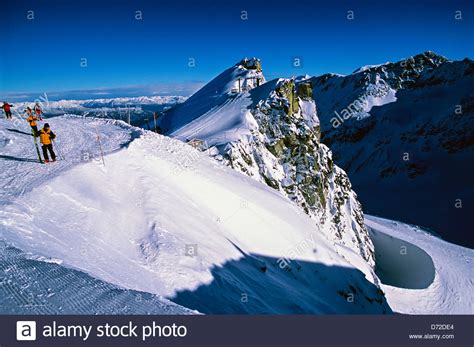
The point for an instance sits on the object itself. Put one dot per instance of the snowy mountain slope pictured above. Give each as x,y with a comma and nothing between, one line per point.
354,95
417,149
400,247
135,221
271,133
37,285
244,76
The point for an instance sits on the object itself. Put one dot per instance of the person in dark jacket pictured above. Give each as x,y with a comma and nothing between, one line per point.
7,109
32,119
46,139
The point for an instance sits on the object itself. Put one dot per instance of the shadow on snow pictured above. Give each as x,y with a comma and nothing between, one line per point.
257,285
19,132
9,157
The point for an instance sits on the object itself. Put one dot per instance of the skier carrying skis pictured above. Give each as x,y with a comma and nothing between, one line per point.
6,108
46,139
38,111
32,120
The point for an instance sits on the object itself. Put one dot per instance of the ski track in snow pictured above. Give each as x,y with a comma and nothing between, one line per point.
451,291
42,286
21,171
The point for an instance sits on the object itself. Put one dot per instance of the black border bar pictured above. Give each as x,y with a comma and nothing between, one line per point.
284,330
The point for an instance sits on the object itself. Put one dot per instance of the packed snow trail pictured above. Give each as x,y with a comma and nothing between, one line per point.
450,291
163,218
76,141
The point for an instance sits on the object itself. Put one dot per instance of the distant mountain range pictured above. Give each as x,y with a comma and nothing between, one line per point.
91,105
409,149
133,110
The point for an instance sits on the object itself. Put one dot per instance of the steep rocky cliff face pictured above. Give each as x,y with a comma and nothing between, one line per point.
272,134
285,153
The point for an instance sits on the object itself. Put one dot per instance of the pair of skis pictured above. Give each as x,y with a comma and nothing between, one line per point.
35,140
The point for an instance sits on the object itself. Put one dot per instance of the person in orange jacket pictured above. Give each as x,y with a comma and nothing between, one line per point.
6,108
46,138
32,119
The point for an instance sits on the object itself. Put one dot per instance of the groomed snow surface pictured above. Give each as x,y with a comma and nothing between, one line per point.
39,285
164,220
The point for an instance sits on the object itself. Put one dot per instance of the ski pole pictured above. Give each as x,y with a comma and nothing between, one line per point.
60,152
100,146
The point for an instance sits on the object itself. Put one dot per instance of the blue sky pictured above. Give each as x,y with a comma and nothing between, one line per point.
126,56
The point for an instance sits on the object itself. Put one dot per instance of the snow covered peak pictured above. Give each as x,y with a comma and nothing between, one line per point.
418,63
251,64
354,96
369,67
226,87
431,58
248,75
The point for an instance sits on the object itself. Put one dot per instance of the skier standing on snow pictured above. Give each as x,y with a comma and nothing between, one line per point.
38,111
6,108
46,137
32,120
